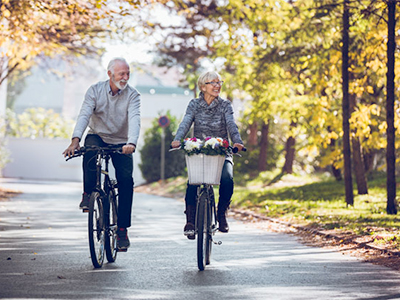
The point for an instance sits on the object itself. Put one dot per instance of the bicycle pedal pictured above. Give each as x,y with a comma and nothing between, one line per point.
122,250
85,210
217,243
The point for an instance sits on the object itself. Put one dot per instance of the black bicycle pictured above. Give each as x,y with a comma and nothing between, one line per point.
103,207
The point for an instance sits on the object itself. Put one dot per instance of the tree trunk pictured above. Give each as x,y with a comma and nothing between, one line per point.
253,138
335,171
369,159
348,181
359,170
290,151
289,157
391,207
262,159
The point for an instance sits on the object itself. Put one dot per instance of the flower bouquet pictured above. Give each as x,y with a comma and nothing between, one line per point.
205,159
210,146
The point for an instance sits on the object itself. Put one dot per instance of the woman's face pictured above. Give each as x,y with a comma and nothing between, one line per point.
212,88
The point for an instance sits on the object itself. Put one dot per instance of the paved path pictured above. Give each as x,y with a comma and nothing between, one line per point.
44,254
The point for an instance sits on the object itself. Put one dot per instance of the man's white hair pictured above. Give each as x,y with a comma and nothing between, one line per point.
112,63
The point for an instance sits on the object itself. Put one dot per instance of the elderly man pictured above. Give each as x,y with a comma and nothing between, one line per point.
111,110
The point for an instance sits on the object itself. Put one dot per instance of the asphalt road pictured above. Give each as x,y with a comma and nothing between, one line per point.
44,254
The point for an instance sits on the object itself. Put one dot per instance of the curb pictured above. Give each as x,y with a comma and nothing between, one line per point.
365,245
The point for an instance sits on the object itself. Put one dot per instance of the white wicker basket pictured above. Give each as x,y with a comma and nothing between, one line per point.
204,168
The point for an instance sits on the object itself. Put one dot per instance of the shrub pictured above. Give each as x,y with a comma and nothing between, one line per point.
38,122
151,153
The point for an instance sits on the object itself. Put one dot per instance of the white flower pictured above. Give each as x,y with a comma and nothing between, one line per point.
191,145
212,142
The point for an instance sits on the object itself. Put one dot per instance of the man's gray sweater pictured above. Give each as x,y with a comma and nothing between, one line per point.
115,118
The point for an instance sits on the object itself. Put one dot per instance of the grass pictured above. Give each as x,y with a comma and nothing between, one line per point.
321,204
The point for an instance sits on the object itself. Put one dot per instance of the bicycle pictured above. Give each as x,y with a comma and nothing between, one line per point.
103,207
206,216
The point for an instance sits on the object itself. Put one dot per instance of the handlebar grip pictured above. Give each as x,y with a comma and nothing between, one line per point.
236,150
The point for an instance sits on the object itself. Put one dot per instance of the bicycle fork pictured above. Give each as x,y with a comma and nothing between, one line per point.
213,226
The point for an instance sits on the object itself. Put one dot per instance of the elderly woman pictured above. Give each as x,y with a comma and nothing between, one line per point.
212,116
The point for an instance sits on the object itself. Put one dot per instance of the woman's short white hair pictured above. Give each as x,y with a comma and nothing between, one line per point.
207,77
112,63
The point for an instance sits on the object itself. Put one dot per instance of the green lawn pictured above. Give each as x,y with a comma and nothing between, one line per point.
321,204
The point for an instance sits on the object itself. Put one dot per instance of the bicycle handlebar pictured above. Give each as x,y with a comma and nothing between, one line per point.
236,149
107,150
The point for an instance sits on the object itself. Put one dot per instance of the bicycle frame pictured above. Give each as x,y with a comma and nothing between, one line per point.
207,188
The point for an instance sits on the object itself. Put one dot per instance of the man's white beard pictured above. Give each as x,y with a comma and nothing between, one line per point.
119,85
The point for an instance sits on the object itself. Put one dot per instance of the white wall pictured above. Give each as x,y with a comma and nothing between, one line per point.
42,159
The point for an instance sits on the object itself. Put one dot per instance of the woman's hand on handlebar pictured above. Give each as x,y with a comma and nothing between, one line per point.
175,144
240,147
70,151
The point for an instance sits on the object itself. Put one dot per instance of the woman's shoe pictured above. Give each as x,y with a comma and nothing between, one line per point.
189,228
222,222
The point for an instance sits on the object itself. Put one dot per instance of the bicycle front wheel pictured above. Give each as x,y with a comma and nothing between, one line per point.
111,237
210,221
96,229
202,231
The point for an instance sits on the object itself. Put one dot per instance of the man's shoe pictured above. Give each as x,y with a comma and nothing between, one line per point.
222,222
188,230
122,239
84,205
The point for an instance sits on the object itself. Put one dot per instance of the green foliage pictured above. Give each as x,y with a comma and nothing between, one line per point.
284,57
151,153
38,122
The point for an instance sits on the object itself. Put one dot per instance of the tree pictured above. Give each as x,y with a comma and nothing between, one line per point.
32,29
390,131
188,43
346,107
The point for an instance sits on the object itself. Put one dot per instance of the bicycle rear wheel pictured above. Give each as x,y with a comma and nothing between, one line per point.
96,229
202,231
111,237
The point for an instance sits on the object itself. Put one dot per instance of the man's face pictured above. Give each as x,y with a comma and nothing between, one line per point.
120,76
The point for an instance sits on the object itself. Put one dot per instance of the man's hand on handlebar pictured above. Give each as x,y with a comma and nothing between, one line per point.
128,149
70,151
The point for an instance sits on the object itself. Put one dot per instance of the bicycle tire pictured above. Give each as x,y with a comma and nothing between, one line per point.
202,236
111,236
210,222
96,230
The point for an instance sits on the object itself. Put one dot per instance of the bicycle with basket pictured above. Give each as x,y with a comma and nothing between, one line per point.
204,170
